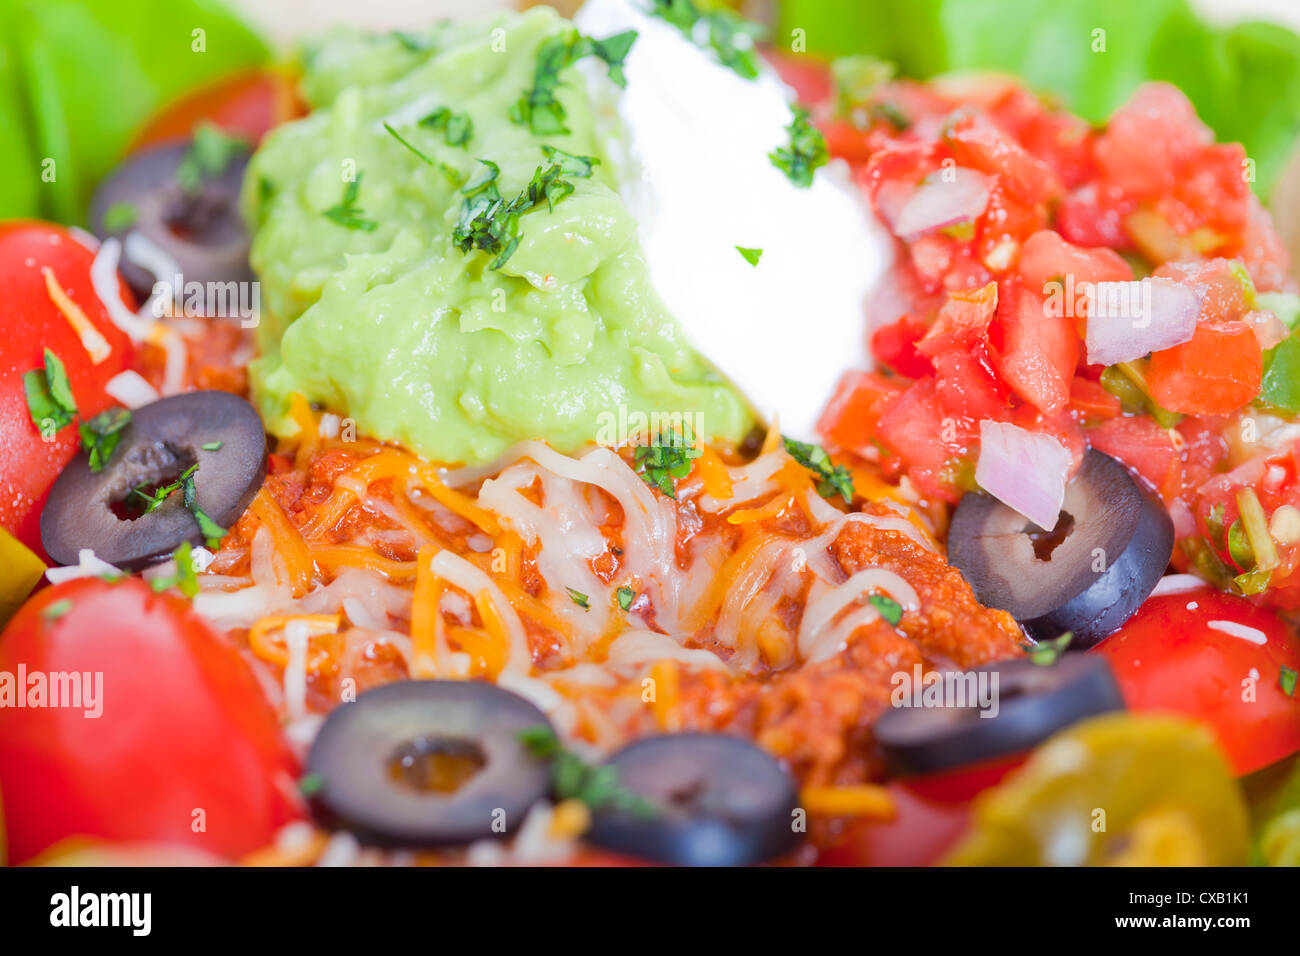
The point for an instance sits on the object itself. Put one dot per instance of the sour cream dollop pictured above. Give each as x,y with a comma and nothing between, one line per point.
689,141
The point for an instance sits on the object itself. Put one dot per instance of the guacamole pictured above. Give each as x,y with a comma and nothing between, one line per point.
371,308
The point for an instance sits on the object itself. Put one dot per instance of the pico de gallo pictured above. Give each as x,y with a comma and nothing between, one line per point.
1013,223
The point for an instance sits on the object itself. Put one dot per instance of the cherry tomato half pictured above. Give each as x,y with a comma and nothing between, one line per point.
179,745
248,104
31,322
1219,659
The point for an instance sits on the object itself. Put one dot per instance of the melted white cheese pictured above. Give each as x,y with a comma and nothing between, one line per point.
689,141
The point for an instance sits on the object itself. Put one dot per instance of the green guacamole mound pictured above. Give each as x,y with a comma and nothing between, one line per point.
390,324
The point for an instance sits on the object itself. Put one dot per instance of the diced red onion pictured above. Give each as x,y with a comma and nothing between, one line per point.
937,203
1024,470
1127,320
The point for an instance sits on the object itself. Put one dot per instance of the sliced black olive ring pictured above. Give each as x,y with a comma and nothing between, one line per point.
200,228
108,511
428,763
714,800
1088,575
1028,703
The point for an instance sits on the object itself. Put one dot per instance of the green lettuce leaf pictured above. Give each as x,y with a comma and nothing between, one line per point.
79,77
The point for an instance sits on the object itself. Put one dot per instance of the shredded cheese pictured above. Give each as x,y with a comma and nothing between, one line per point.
92,340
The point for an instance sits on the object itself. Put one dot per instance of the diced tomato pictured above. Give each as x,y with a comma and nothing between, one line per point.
853,413
1047,257
1094,217
809,77
967,385
962,322
1144,446
1215,373
1090,404
891,175
915,426
1034,351
1149,138
895,346
977,142
1061,139
932,258
1229,293
1215,188
846,141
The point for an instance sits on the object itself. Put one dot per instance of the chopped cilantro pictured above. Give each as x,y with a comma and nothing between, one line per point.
751,255
212,445
625,597
1287,680
457,128
57,609
669,458
311,784
209,155
889,609
185,579
539,108
119,216
100,435
728,35
806,152
1046,653
490,223
155,498
453,175
831,477
578,598
49,394
346,213
211,531
572,778
570,165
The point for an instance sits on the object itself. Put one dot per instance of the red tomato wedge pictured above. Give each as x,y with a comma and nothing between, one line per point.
249,104
1219,659
32,321
184,748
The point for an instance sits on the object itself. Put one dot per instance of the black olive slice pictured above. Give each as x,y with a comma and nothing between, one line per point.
200,228
428,763
716,801
105,511
1088,575
1028,703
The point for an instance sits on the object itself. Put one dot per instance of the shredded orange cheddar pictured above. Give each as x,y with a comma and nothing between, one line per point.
289,544
308,437
425,616
346,555
667,694
773,509
714,474
266,638
92,340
